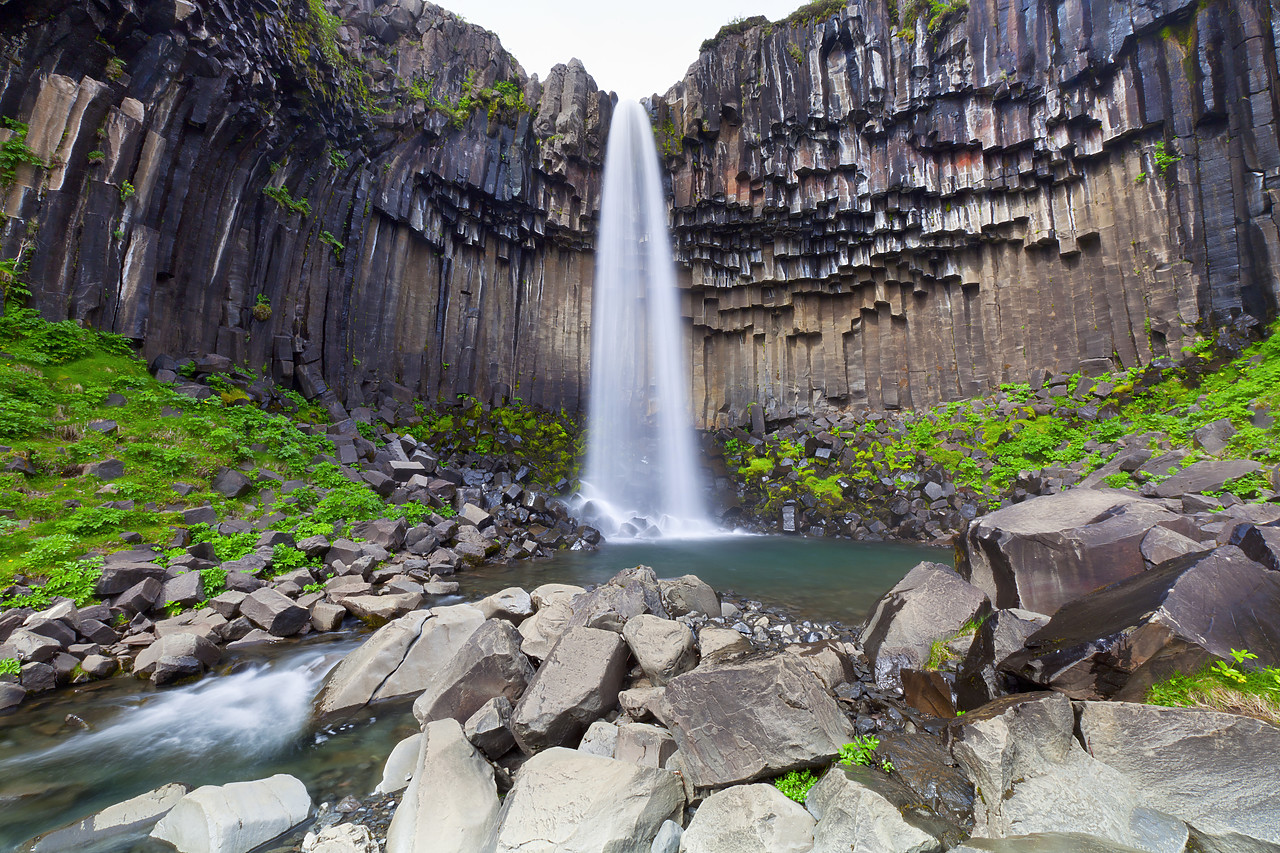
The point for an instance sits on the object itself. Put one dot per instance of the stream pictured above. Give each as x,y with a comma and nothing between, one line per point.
249,718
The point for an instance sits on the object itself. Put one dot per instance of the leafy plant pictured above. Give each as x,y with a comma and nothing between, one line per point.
281,196
861,752
338,160
796,784
333,243
1164,158
14,152
213,581
126,191
1226,687
96,156
10,666
261,308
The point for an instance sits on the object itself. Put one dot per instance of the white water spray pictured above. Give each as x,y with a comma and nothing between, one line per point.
642,476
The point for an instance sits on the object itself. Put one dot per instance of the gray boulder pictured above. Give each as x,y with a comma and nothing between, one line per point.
512,604
688,594
274,612
378,610
721,644
489,729
1000,635
1218,772
386,532
345,838
629,593
400,765
578,683
1044,552
566,801
230,483
132,817
236,817
931,603
749,819
451,804
741,721
1117,641
398,659
176,656
1208,476
644,744
488,665
1045,842
663,647
862,810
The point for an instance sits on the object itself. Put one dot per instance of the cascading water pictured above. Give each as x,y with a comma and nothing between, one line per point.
642,476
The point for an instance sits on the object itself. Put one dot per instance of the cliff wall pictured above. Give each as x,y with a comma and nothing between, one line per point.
874,205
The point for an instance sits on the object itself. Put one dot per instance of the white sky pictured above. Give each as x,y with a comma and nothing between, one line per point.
634,49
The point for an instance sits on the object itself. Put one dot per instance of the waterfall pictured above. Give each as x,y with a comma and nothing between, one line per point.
642,474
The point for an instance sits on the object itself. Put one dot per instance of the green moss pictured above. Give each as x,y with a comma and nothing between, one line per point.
735,27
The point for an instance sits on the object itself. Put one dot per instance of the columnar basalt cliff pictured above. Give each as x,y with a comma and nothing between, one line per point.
207,158
890,213
874,204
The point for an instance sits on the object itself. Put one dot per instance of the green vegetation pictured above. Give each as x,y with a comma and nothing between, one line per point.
262,307
333,243
14,152
862,753
503,100
938,14
810,13
1164,158
96,156
796,54
940,651
281,196
737,26
10,666
126,191
982,445
338,160
667,139
115,68
796,784
1224,686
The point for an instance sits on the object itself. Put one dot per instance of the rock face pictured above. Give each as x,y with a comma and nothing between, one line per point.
236,817
853,195
749,819
1117,641
1044,552
858,810
565,801
774,704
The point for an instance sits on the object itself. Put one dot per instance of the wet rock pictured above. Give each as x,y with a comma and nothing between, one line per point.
1117,641
749,818
176,656
927,692
932,602
663,648
1215,771
398,659
236,817
1044,552
566,801
487,666
858,808
134,816
578,683
451,802
773,704
978,680
923,764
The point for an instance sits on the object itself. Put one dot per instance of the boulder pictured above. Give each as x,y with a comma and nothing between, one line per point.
862,810
978,680
488,665
663,647
1045,842
1208,476
451,804
274,612
1260,544
489,729
629,593
541,631
1218,772
345,838
11,695
1031,775
398,659
566,801
923,764
387,532
116,579
601,739
512,604
688,594
230,483
236,817
931,603
721,644
736,722
643,744
176,656
400,765
378,610
578,683
1046,551
749,819
1117,641
132,817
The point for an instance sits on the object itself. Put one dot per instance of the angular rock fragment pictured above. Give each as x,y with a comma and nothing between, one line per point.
747,819
488,665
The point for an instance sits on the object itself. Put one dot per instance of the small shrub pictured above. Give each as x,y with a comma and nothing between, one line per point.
862,753
1224,686
96,156
333,243
262,308
213,581
1164,158
10,666
796,784
14,152
281,196
126,191
1118,480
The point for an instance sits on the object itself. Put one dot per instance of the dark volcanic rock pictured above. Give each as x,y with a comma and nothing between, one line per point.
1118,640
1208,476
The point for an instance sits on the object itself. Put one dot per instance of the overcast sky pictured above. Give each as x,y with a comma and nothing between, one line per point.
634,49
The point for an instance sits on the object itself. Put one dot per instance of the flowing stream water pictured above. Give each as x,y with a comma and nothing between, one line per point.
642,476
251,717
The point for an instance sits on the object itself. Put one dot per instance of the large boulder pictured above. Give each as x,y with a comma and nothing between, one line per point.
689,594
1044,552
541,631
566,801
1032,776
629,593
749,819
663,647
1000,635
1115,642
931,603
577,684
451,804
236,817
1045,842
398,659
489,664
133,817
1218,772
747,720
176,656
862,810
274,612
1207,476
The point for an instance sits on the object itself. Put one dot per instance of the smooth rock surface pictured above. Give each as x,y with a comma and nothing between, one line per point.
749,819
451,804
488,665
236,817
663,647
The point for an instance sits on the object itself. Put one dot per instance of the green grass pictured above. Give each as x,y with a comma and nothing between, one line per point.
796,784
1223,686
940,653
